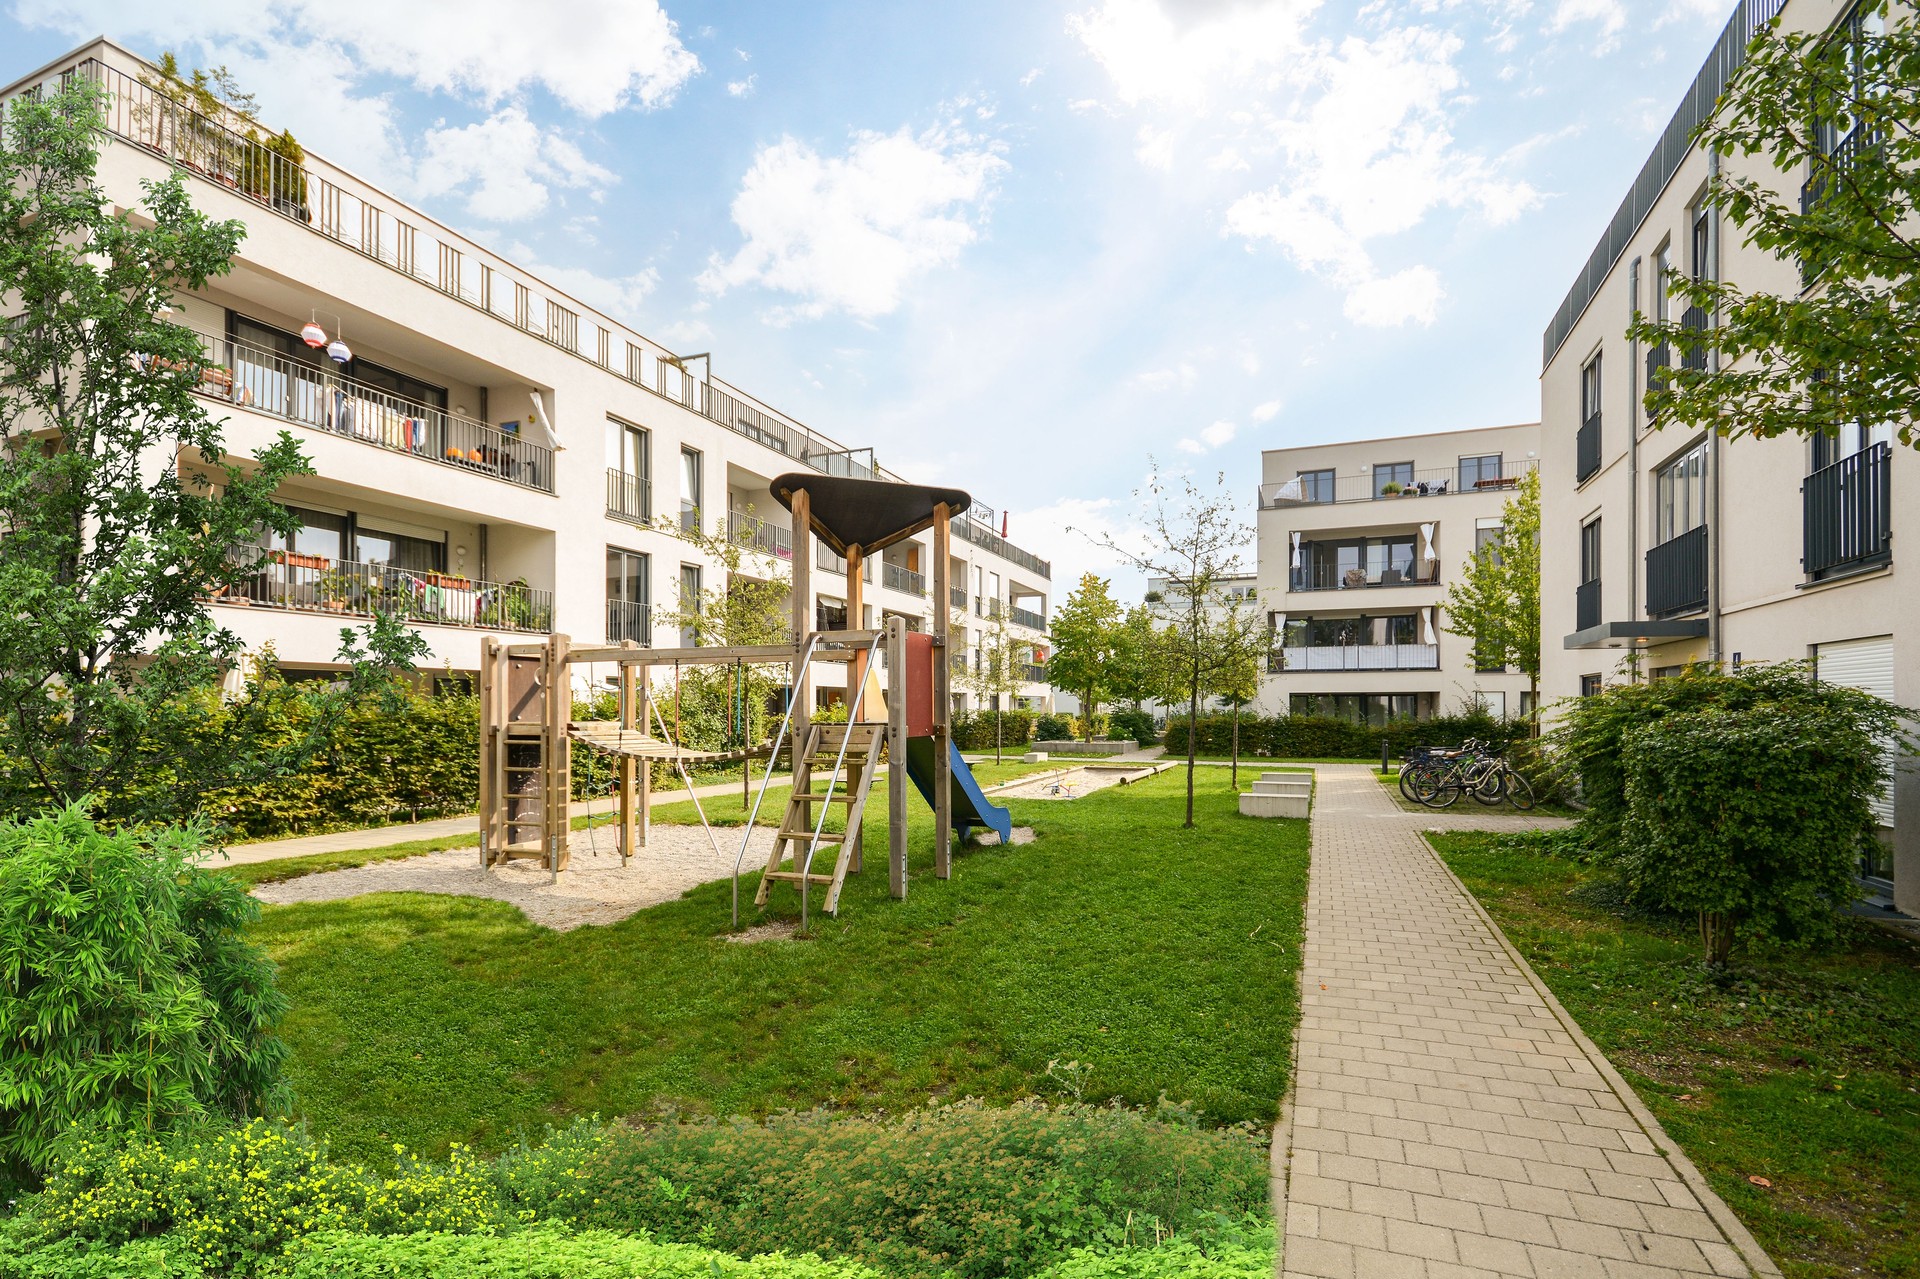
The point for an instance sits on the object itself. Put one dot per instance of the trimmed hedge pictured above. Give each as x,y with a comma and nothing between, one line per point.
973,730
1320,737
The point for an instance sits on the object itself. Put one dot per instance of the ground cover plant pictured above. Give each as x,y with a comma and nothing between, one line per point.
1162,959
1802,1070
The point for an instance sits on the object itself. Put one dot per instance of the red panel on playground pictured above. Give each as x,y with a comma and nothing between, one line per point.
919,684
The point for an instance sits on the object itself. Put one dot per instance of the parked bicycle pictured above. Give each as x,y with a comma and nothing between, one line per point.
1438,778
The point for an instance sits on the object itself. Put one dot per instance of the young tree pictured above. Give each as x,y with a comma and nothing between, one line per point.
1236,678
1496,602
121,512
1842,107
995,679
1193,539
1085,630
1138,671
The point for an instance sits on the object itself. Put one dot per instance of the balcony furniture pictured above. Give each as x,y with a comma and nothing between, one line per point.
1354,577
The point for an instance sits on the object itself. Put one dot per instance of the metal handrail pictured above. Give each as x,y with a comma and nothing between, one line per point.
773,759
826,801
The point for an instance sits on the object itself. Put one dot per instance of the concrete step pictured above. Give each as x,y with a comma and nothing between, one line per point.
1262,805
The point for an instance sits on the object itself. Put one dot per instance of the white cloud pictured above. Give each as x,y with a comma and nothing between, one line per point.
1210,438
618,296
1154,147
1026,81
1610,16
1268,411
1154,58
1066,532
504,165
1390,301
742,88
850,232
1182,375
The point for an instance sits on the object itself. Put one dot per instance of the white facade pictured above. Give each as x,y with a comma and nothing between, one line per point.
496,456
1358,544
1675,546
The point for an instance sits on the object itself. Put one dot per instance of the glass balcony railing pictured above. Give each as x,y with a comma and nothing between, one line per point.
316,584
1355,657
1028,618
1368,487
1334,577
901,578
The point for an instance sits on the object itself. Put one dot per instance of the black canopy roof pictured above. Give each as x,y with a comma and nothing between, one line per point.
869,514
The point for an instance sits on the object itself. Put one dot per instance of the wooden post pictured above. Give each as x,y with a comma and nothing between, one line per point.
897,757
629,766
493,801
643,716
557,754
856,606
802,592
942,697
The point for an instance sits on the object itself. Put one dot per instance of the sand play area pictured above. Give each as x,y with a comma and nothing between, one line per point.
595,890
1074,782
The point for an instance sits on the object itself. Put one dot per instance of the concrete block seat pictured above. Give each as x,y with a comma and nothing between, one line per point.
1278,795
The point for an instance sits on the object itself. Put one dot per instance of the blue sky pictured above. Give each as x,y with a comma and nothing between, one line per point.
1018,247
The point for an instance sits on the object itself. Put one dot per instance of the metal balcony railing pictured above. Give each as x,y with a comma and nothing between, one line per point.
316,396
1586,605
1331,577
629,497
1677,574
629,621
988,608
988,540
1586,448
898,577
311,583
1846,153
1659,359
1846,512
1355,657
1034,673
1693,355
825,557
764,535
1431,482
1028,618
957,596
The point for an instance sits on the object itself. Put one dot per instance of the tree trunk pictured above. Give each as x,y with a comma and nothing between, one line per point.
1235,756
1193,738
1716,936
997,722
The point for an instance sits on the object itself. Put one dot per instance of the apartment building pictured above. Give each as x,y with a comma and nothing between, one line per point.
1358,543
1671,546
490,454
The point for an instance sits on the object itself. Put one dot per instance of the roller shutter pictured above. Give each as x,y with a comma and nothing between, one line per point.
1865,664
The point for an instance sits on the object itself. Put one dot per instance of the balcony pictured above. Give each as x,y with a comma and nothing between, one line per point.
1693,354
1332,577
314,396
988,608
899,577
1845,155
1846,513
1677,574
629,621
629,497
1355,657
1586,448
1034,673
1436,482
828,560
1586,605
1027,618
1659,360
957,597
316,584
762,535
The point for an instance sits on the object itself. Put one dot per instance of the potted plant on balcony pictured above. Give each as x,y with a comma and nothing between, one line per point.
334,590
1390,489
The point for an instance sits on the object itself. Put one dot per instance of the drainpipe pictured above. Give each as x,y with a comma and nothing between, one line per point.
1634,566
1715,646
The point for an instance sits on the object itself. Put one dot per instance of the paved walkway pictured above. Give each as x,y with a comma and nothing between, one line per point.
1448,1118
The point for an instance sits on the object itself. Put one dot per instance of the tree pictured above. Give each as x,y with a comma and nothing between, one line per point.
122,513
1138,672
1085,631
995,677
1496,602
1236,677
1843,108
1193,540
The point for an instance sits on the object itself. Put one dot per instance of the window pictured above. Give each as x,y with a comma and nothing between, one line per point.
1345,632
1494,703
627,449
322,533
689,605
1364,708
829,614
629,616
407,551
1662,274
1475,469
1700,265
1680,495
1396,473
1486,537
1590,551
1589,686
1590,390
690,476
1836,126
1316,486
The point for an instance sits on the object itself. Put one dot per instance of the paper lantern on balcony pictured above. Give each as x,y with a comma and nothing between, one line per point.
338,352
313,335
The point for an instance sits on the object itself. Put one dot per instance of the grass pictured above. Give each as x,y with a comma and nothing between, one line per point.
1163,959
1801,1070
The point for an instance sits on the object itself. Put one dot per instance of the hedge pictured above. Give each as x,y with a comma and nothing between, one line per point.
973,730
1322,737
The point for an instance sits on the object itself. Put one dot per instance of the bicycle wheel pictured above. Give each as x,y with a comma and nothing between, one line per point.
1490,788
1428,782
1447,790
1408,772
1519,790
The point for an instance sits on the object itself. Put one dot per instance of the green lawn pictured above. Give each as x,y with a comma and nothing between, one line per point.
1803,1071
1164,959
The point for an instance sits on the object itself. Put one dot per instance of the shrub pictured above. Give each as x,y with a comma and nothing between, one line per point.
1136,725
129,998
1753,819
961,1189
1243,1257
974,730
543,1252
1323,737
1053,728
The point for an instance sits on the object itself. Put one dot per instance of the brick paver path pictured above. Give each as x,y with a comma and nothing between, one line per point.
1447,1118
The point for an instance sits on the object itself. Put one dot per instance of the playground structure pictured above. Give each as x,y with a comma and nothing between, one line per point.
526,699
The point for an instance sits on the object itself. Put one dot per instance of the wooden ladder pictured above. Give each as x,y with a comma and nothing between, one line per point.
862,761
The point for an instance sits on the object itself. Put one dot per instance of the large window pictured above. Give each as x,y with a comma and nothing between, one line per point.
1475,469
629,616
1662,275
1399,474
1316,486
691,502
409,551
1342,632
322,533
1680,495
1590,551
1700,263
627,449
1364,708
1343,565
689,604
1836,124
1590,390
1486,537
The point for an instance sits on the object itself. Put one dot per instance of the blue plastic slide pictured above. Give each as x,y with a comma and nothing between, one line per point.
970,807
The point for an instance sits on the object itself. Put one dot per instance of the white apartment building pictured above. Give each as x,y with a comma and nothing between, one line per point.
1358,543
490,454
1674,546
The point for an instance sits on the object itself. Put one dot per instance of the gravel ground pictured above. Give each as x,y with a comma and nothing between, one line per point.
594,890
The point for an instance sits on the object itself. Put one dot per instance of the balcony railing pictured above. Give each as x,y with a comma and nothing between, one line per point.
1435,482
764,535
1846,511
1586,605
1355,657
957,596
1677,574
629,621
1034,673
315,396
1693,354
1028,618
1331,577
629,497
1659,359
988,540
989,608
824,557
899,577
1845,155
1586,448
313,584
